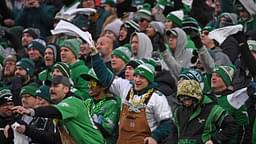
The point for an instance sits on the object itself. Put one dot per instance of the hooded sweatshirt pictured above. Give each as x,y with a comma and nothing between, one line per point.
250,6
145,46
181,57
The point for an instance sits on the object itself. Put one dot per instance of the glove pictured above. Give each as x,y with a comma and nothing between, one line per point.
196,39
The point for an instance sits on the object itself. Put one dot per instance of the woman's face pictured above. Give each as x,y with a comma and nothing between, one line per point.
123,34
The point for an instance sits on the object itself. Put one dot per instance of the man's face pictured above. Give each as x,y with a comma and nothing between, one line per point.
26,39
88,4
33,54
104,46
217,83
20,72
66,55
58,92
135,44
9,68
129,71
84,49
117,63
48,57
28,101
143,24
140,82
123,33
5,109
56,72
94,88
42,102
186,101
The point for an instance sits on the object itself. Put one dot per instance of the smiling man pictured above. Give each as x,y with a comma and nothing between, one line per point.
145,115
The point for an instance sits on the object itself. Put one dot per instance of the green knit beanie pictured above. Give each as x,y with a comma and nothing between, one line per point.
5,95
63,68
44,92
146,71
123,52
226,73
145,12
176,17
29,89
27,64
73,45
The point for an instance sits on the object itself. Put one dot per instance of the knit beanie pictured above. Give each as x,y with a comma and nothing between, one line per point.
151,62
145,12
176,17
44,92
27,64
5,95
189,23
63,67
29,89
10,58
252,45
191,74
131,24
190,88
161,4
56,51
114,27
158,26
207,28
146,71
226,73
73,45
34,32
123,52
134,63
38,44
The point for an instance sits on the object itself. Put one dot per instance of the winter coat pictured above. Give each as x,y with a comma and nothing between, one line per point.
211,57
181,57
41,18
80,87
198,125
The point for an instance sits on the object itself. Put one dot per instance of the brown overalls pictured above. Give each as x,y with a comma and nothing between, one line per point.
133,127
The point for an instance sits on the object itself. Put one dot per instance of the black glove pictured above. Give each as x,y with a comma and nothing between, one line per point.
197,41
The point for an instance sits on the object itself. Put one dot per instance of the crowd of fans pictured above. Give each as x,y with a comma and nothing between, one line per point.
127,71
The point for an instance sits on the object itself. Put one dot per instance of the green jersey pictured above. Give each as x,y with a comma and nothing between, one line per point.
77,120
105,112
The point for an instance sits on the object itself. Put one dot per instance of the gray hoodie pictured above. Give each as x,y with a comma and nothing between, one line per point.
250,6
145,46
181,57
